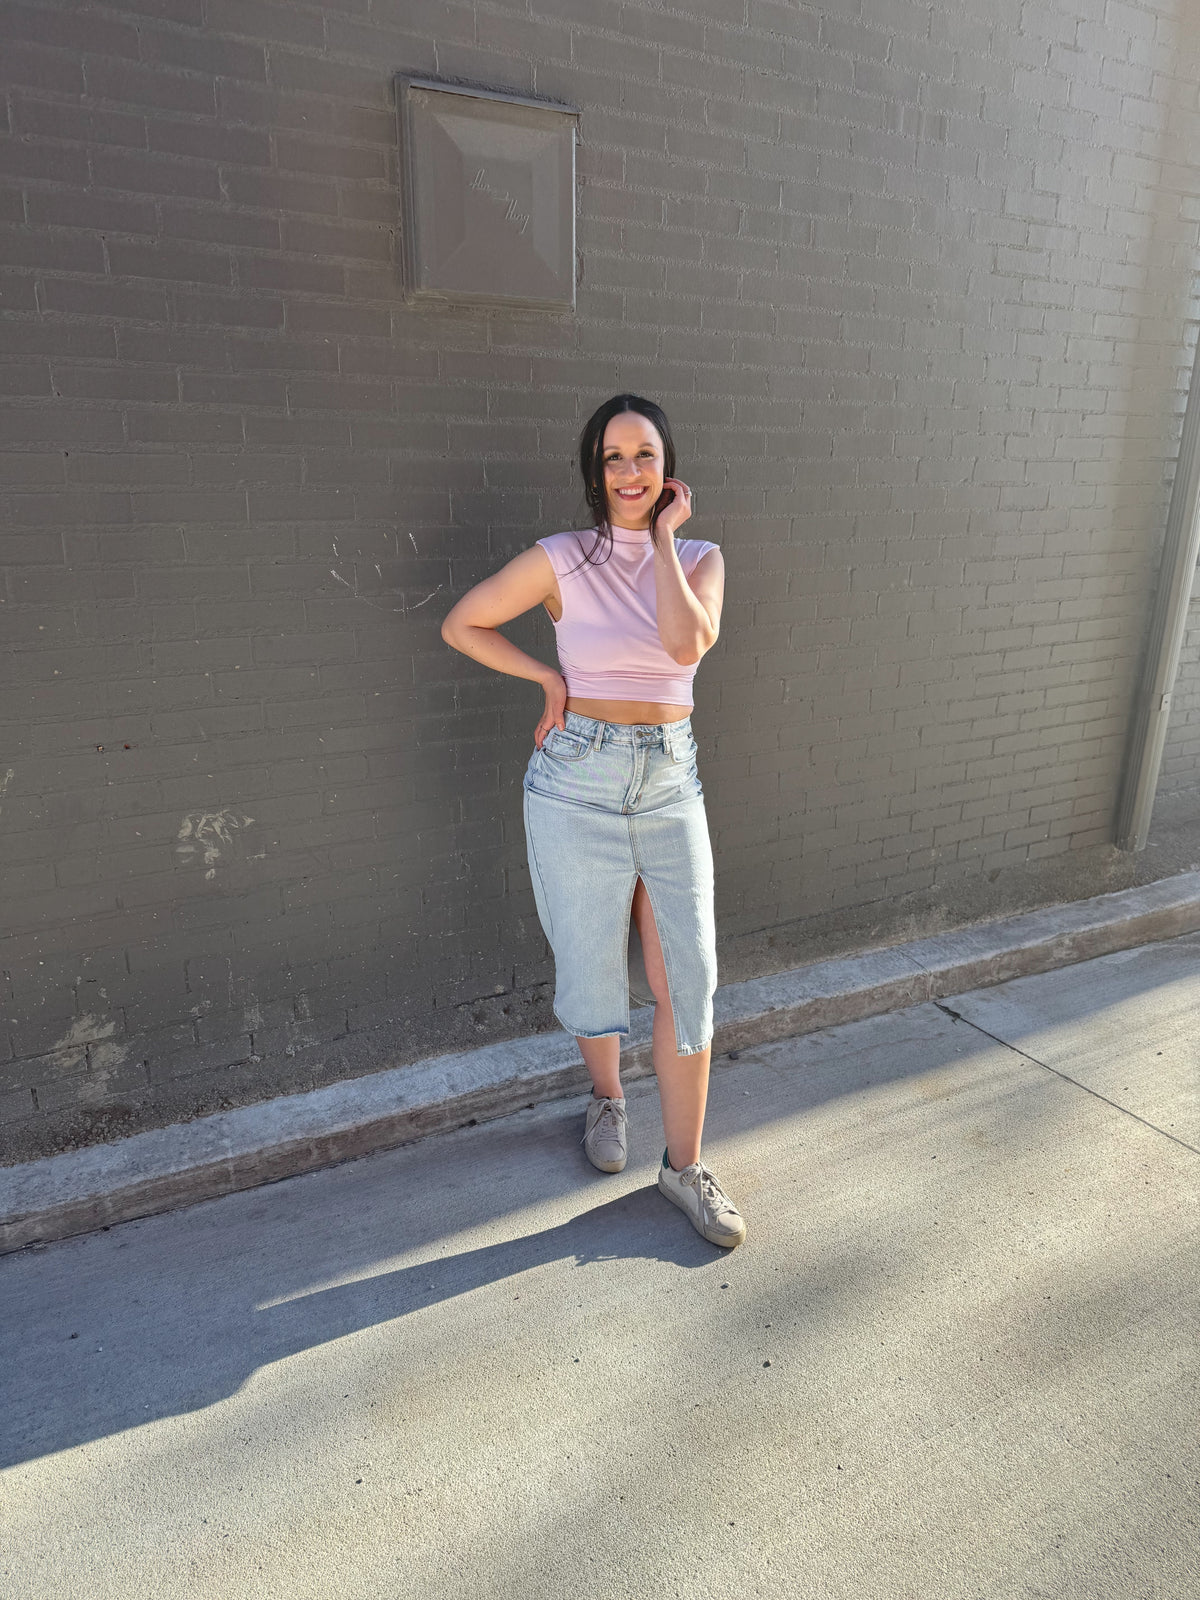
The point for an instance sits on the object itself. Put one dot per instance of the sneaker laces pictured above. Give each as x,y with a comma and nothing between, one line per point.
610,1121
713,1198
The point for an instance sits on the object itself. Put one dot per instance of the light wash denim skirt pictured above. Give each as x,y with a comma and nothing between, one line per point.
605,804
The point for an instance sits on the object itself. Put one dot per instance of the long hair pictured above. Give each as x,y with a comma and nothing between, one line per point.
591,464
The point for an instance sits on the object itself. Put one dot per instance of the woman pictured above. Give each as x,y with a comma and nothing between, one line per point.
614,810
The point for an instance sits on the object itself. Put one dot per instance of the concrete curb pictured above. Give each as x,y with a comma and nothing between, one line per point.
167,1167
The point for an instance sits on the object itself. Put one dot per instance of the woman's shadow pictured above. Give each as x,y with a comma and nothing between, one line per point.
631,1227
215,1336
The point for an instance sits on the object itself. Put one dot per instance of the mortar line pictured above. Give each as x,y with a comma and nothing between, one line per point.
1066,1077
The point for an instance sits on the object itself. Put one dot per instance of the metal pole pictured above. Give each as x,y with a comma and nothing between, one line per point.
1177,571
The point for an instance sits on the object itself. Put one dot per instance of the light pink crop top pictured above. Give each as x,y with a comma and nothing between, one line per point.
608,643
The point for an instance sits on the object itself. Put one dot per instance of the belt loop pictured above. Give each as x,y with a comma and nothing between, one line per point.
598,735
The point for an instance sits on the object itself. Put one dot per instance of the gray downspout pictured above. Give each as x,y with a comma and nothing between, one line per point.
1181,546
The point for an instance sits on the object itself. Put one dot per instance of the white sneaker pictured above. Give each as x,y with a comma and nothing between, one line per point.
710,1210
604,1134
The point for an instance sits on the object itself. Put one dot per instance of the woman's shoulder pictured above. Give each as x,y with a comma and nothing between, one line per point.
567,549
692,551
570,539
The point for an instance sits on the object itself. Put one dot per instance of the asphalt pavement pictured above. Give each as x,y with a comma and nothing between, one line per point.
956,1357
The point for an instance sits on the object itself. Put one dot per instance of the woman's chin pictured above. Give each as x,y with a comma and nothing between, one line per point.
631,513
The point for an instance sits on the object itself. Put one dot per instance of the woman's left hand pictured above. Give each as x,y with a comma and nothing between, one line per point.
676,514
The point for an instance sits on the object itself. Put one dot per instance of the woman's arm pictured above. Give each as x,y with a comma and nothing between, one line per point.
689,609
471,624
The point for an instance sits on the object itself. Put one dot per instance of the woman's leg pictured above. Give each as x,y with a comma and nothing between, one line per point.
682,1080
602,1058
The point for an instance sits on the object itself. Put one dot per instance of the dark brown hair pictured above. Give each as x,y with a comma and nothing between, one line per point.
591,463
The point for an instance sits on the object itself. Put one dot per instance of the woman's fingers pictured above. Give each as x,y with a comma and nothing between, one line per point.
680,508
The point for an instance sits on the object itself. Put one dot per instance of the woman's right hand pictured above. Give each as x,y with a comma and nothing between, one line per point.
554,715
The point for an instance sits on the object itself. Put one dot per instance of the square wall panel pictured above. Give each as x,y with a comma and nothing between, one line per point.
488,192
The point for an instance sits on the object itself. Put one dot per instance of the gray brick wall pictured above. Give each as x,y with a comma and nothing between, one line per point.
913,281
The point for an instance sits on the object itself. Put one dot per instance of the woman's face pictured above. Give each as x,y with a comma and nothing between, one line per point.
633,469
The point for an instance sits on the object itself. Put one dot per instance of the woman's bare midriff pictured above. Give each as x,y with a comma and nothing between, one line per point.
628,711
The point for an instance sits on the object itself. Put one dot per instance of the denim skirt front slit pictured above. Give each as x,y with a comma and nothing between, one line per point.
604,804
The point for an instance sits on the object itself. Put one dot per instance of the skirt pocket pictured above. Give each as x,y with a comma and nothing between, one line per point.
562,745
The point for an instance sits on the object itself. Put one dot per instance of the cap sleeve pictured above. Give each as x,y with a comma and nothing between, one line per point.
693,554
564,552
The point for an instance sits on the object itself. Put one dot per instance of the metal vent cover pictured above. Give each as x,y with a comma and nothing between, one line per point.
487,196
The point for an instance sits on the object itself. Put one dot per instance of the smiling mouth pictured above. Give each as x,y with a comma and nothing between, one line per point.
631,494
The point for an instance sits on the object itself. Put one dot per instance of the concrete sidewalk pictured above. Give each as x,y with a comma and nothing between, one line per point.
957,1356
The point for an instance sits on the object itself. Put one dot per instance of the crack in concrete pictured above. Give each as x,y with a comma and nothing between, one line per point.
1065,1076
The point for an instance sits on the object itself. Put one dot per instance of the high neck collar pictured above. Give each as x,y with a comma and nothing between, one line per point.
629,535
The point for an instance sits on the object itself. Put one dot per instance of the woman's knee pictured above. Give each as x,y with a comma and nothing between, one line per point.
652,954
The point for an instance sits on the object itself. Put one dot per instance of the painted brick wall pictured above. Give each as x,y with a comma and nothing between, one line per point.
913,281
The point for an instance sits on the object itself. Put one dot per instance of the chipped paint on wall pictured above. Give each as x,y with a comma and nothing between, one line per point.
108,1053
89,1055
205,834
87,1029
